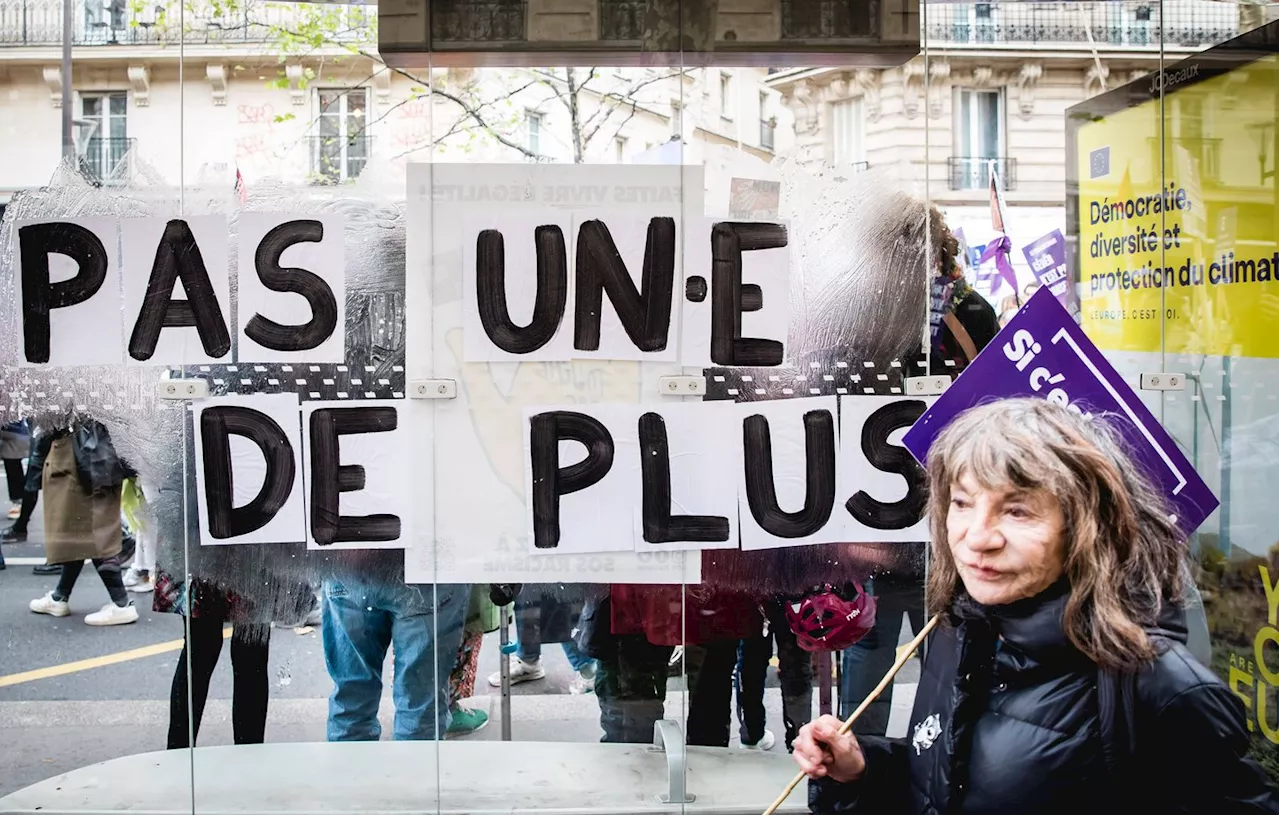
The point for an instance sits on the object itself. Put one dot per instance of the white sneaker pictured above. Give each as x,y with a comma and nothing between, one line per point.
584,681
50,606
15,512
134,581
521,671
766,742
112,614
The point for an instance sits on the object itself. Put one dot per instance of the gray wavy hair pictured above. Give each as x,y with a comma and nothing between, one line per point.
1125,555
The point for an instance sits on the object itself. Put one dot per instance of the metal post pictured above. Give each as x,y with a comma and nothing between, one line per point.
504,668
68,136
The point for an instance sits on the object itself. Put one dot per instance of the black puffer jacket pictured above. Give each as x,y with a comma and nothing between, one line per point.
1006,722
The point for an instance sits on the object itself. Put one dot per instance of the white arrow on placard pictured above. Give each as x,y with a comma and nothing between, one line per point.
1063,335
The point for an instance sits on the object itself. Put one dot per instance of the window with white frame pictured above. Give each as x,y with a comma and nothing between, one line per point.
677,121
978,136
533,132
106,115
342,135
726,95
848,135
619,149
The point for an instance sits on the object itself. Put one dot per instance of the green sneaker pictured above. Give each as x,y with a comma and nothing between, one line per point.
465,721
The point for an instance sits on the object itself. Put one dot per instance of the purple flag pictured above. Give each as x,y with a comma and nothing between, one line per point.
1042,352
1047,257
1000,249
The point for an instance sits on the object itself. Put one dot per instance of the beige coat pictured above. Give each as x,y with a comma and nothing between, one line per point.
77,526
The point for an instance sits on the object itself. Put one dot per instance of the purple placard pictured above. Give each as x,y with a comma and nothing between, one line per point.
1047,257
1042,352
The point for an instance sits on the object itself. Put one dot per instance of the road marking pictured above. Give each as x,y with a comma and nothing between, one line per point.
24,561
96,662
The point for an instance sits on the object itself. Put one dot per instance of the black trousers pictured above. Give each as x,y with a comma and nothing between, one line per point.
15,478
795,674
631,686
201,648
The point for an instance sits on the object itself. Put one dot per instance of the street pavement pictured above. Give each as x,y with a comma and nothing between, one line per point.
72,695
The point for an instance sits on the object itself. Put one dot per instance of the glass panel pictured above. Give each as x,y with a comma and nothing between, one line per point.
894,169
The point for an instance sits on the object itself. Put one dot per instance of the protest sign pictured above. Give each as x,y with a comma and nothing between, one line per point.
1047,257
1043,353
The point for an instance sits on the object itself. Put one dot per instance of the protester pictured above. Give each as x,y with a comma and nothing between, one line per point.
206,609
82,519
482,617
795,675
15,448
17,532
1058,681
133,501
423,628
969,322
547,613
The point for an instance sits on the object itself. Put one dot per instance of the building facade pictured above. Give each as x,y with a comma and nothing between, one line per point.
992,89
298,93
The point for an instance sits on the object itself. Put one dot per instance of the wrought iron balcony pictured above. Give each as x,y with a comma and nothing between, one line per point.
1126,24
829,19
974,172
107,161
477,20
39,22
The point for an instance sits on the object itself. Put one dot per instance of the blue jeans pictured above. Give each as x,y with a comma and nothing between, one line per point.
531,651
424,632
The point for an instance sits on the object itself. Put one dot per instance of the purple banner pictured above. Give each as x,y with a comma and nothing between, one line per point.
1042,352
1047,257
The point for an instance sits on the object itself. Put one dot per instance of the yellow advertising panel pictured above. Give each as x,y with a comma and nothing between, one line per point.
1176,220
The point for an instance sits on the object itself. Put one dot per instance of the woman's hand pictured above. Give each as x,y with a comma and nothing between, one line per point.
822,752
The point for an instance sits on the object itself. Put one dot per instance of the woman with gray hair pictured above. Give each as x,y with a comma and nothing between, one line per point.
1058,680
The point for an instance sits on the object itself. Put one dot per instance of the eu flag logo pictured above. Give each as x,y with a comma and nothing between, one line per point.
1100,163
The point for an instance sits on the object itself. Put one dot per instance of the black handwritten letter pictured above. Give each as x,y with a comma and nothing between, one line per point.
329,477
324,306
548,302
660,526
645,314
178,257
891,458
730,297
217,425
820,476
39,296
550,480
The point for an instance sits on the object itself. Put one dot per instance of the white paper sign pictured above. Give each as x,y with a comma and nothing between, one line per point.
140,239
610,241
786,479
480,531
766,269
311,253
519,255
878,491
279,415
704,447
385,459
87,332
595,518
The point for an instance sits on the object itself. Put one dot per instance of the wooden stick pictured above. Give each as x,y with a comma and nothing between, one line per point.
904,653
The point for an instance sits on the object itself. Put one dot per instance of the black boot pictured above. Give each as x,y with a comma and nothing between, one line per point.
13,535
47,568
